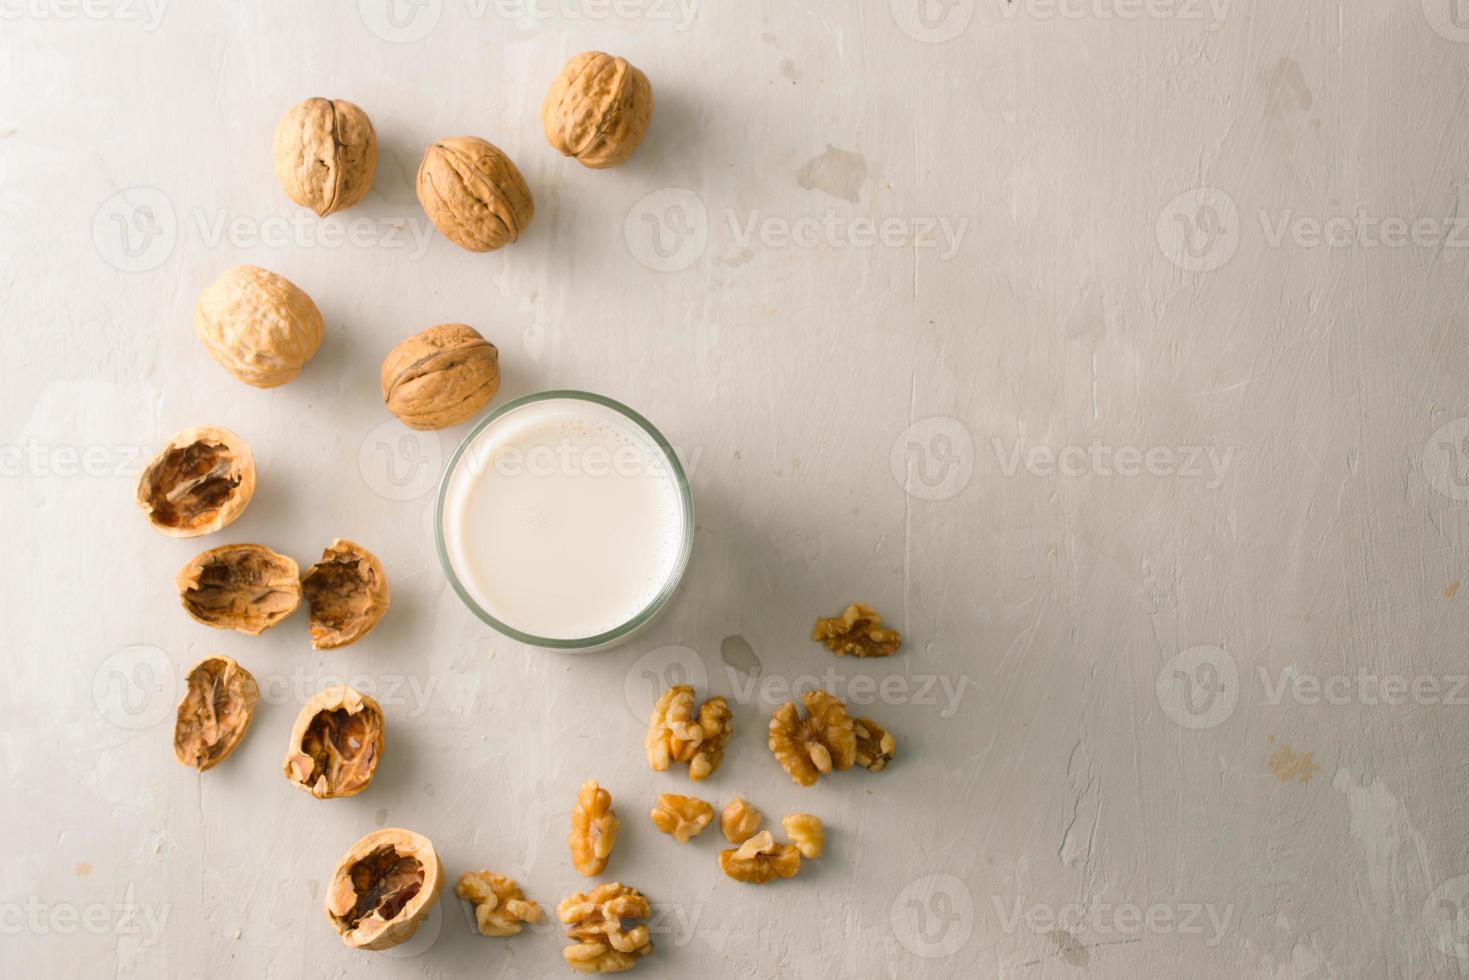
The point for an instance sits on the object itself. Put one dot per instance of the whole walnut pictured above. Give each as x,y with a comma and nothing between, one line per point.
440,377
597,110
473,193
325,154
258,325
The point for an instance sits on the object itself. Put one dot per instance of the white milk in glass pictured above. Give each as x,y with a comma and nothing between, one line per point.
563,519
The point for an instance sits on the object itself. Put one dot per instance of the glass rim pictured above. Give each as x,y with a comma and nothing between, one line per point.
675,575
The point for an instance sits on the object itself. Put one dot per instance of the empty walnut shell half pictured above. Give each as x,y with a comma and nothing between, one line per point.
473,193
259,326
325,154
335,744
198,483
347,592
383,888
440,377
215,713
597,110
244,587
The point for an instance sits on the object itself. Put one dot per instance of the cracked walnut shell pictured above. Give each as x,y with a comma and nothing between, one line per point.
857,631
198,483
259,326
383,888
604,943
336,744
739,821
806,832
597,110
473,193
593,829
681,817
348,594
875,747
675,735
215,712
499,905
760,859
243,587
325,154
811,748
440,377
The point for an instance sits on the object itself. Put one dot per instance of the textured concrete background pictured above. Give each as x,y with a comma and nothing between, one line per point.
1113,349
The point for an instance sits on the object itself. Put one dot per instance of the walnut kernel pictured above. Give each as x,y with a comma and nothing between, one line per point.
335,744
244,587
806,832
604,944
440,376
681,817
258,325
597,110
325,154
348,594
198,483
760,859
675,735
593,829
811,748
875,747
215,712
739,821
383,888
499,905
857,631
473,193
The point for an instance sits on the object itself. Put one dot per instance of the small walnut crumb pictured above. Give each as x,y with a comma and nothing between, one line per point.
739,821
595,920
806,832
676,735
681,817
811,748
593,829
499,904
760,859
875,747
857,631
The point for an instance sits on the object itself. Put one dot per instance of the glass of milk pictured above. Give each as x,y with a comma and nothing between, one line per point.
565,521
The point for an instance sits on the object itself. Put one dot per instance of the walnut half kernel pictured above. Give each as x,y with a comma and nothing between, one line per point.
806,832
215,712
675,735
858,631
336,744
593,829
499,905
739,821
348,594
875,747
681,817
812,747
198,483
383,888
596,920
243,587
760,859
